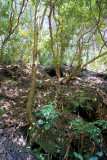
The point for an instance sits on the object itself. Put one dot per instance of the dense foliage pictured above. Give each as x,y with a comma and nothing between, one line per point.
57,33
78,31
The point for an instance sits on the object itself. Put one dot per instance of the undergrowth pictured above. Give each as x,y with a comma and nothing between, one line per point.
85,140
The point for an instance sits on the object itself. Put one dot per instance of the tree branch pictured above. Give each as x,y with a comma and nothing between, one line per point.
11,22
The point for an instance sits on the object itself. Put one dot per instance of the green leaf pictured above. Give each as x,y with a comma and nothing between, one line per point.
44,107
45,114
51,116
45,110
76,104
76,133
98,141
91,123
88,130
1,112
100,154
81,122
80,129
75,123
47,126
51,106
53,123
32,129
81,105
38,81
40,122
49,110
94,158
37,112
78,156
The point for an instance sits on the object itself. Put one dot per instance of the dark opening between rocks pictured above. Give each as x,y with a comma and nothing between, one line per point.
51,72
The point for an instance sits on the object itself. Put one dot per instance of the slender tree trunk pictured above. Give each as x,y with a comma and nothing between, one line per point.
33,78
87,57
44,13
72,74
50,29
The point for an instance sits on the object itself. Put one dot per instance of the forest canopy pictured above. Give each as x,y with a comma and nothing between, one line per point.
53,77
70,32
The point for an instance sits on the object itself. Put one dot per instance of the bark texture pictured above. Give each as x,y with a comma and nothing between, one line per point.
34,66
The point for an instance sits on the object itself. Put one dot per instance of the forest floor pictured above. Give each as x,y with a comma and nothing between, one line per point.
13,99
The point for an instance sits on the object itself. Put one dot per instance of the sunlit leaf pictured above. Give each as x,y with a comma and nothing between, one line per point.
100,154
51,106
74,123
94,158
78,156
40,122
47,126
81,122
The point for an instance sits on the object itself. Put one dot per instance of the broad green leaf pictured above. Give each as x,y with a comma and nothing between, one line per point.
80,128
100,154
94,158
75,123
51,106
44,107
47,126
51,116
81,105
40,122
76,104
78,156
49,110
45,112
37,112
88,130
81,122
90,123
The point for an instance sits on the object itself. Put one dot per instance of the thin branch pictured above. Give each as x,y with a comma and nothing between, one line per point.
97,21
43,16
50,29
100,55
94,59
11,22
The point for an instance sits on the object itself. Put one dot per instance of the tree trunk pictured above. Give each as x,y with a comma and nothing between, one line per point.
72,74
50,29
33,78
